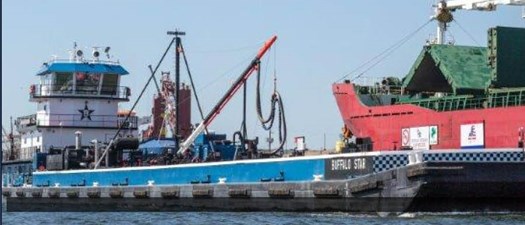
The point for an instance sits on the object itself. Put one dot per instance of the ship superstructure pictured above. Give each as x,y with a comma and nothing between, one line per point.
77,94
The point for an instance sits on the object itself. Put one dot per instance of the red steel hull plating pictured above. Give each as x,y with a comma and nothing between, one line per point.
383,124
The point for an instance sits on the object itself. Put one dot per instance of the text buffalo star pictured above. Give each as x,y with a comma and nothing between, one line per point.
86,112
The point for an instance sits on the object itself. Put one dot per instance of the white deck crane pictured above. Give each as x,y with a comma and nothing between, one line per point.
444,11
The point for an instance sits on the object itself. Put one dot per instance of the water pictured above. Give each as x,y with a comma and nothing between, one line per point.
253,218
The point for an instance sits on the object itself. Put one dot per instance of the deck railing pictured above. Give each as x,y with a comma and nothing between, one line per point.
496,98
114,92
76,120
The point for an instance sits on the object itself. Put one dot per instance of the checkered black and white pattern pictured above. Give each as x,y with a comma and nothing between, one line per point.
390,161
502,156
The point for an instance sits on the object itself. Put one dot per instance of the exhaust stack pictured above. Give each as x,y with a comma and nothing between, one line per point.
78,139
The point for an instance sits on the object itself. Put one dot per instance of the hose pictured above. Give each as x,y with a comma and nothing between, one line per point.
267,123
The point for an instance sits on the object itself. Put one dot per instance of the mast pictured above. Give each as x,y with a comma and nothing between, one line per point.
443,16
177,80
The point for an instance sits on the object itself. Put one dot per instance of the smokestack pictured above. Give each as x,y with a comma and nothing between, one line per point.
78,139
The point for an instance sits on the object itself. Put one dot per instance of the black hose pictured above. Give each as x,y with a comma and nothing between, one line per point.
267,123
271,117
282,124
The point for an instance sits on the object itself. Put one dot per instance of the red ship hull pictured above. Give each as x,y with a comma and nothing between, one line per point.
383,124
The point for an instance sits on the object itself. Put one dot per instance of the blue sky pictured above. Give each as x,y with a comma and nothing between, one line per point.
318,42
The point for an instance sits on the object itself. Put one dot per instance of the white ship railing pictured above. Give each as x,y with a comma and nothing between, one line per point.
76,120
119,92
109,62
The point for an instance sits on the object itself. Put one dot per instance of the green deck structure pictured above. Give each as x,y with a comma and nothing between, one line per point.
449,69
470,77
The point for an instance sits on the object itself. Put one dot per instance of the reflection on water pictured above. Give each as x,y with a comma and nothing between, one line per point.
259,218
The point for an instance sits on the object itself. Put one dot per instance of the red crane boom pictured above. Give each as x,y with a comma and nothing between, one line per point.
227,96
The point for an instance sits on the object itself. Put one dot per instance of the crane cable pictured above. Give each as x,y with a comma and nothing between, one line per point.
466,32
387,52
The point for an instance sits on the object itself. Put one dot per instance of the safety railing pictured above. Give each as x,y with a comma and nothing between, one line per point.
77,120
68,90
506,97
84,60
496,98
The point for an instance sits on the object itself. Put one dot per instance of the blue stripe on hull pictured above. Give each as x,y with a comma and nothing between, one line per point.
297,170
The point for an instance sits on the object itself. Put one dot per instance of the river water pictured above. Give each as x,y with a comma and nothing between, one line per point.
253,218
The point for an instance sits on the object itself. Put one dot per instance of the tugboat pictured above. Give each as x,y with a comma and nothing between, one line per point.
76,98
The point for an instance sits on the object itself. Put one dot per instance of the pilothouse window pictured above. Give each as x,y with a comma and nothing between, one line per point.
63,82
87,83
109,84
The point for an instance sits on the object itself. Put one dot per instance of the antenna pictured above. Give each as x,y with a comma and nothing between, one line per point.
106,50
72,53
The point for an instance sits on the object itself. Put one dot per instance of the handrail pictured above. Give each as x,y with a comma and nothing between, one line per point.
495,98
48,90
96,121
84,61
75,120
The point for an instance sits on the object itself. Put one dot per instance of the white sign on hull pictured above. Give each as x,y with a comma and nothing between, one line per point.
472,135
419,138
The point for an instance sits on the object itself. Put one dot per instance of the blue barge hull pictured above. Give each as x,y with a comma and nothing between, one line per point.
297,169
293,169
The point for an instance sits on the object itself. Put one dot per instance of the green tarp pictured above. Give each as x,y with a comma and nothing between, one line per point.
450,68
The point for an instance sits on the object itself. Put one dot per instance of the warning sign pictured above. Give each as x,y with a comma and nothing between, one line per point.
405,137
